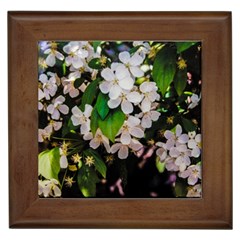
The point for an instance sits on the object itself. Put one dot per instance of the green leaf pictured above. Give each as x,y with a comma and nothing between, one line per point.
95,63
96,44
68,127
90,93
188,125
180,188
64,69
160,165
112,123
182,46
180,80
87,179
164,68
49,163
78,82
98,161
94,120
102,106
134,49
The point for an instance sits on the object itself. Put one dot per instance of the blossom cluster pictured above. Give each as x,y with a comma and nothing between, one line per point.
127,85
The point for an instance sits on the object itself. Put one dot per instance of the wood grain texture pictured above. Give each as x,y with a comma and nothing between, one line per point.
213,210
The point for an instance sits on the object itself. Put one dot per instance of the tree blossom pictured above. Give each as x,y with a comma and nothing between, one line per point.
161,151
195,191
99,139
56,107
56,125
44,134
63,158
53,54
49,86
68,87
149,90
82,118
194,99
192,173
41,95
131,128
132,63
195,144
115,81
122,149
175,138
126,99
182,155
49,188
148,117
144,48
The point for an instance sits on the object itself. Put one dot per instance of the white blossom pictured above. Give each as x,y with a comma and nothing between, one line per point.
194,99
132,63
82,118
126,99
44,134
99,139
149,90
49,86
131,128
195,191
175,138
68,87
192,173
56,107
143,49
49,188
123,149
116,80
63,158
194,143
52,55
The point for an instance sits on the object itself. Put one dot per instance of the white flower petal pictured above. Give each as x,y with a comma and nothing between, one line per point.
88,110
60,99
76,111
94,143
57,191
50,108
134,97
55,114
178,130
122,72
192,143
85,128
198,138
77,62
183,138
88,136
126,83
192,180
137,132
146,105
133,121
107,74
114,103
74,93
146,121
155,115
136,71
43,78
123,152
59,56
126,106
75,120
105,87
125,138
174,152
115,147
115,92
135,145
195,152
64,109
168,134
50,60
63,161
136,60
124,57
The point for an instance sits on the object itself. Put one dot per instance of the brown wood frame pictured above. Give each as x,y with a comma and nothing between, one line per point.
213,210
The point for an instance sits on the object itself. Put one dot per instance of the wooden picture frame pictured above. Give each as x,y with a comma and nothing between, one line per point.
213,210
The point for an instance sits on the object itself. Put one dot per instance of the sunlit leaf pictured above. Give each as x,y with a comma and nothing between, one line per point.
182,46
102,106
49,163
